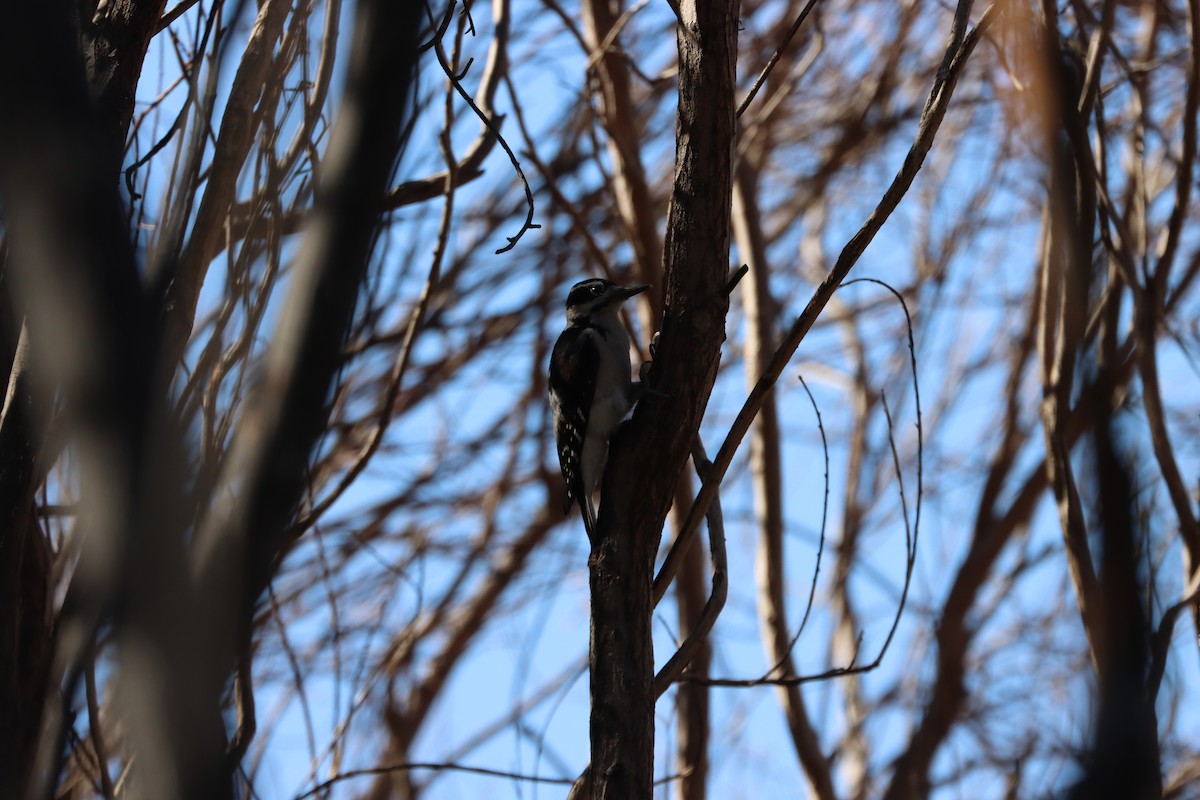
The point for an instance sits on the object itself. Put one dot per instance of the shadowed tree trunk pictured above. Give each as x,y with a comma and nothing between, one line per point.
649,453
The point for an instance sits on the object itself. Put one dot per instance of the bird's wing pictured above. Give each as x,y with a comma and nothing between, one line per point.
573,379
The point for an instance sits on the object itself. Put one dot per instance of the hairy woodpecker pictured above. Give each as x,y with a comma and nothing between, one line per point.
590,389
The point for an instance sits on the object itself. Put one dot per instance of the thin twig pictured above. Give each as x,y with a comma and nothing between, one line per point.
440,28
912,362
494,126
812,589
97,731
736,278
443,766
762,77
610,38
1187,158
578,221
1160,640
297,672
470,167
176,126
175,13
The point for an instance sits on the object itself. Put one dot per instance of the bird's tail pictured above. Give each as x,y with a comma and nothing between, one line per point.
589,517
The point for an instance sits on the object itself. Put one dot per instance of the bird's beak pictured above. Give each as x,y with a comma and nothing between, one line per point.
629,291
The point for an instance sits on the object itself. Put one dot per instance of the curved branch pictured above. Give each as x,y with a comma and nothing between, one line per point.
469,166
686,651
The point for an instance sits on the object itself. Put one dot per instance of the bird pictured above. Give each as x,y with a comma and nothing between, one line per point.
590,388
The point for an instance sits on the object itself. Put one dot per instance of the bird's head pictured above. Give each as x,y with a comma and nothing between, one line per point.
596,297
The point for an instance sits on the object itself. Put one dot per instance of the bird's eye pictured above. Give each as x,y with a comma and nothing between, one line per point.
597,290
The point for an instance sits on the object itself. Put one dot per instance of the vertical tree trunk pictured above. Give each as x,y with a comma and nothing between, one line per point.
650,452
113,48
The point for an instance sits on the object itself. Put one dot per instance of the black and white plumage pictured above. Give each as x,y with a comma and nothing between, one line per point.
590,388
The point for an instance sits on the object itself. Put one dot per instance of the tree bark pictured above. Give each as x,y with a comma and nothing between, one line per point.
114,43
113,48
648,454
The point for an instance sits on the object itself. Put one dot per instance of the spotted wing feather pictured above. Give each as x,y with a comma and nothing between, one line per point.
574,363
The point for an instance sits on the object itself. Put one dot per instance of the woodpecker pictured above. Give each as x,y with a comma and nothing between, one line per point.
590,389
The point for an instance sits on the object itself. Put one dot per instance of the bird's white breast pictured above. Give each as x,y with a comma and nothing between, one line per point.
610,404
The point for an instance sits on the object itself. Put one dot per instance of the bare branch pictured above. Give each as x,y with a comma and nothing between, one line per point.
762,76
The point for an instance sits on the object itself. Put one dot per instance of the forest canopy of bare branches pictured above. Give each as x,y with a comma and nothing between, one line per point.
911,511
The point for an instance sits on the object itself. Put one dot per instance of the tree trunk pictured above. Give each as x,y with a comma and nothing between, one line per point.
648,454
